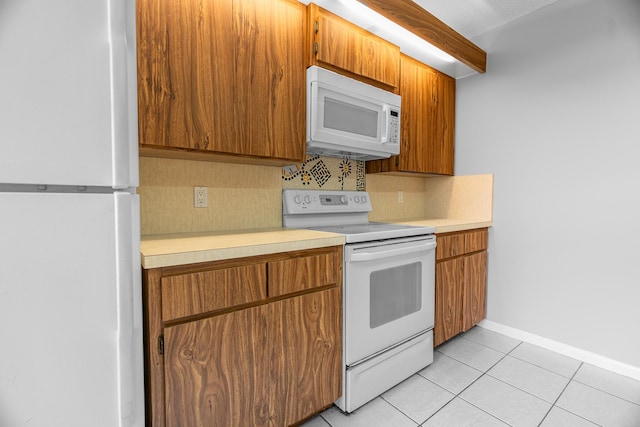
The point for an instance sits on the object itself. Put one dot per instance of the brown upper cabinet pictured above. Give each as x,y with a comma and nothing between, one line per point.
427,122
222,78
341,46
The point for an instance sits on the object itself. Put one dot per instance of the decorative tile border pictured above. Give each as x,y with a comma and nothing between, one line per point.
325,173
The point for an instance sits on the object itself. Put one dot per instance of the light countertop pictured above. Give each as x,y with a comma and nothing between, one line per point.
445,225
188,248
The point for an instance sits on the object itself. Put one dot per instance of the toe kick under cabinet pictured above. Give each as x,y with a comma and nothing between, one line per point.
461,282
244,342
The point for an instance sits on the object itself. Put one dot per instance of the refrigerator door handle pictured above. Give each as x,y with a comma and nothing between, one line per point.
129,288
124,102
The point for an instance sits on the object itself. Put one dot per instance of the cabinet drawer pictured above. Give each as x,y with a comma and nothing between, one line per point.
303,273
459,243
476,240
195,293
449,245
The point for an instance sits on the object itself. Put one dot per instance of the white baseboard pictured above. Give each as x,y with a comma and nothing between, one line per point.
567,350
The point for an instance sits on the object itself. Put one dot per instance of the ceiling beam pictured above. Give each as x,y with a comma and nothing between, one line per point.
414,18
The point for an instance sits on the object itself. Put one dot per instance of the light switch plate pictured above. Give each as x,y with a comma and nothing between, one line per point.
200,197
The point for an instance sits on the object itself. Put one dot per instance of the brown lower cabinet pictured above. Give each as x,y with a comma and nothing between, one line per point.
246,342
461,282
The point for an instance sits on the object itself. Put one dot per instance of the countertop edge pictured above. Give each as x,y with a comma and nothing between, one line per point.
188,253
446,225
220,254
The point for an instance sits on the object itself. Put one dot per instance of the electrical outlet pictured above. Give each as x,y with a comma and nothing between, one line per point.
400,196
200,197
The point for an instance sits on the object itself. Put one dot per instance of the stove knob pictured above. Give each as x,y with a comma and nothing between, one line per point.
343,200
364,199
356,199
307,199
297,200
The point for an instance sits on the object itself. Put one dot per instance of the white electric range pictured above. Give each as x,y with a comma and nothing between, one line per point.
388,290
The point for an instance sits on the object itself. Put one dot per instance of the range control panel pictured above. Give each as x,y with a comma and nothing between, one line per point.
321,201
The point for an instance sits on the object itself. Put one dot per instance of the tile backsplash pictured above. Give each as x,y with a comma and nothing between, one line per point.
243,197
240,196
326,173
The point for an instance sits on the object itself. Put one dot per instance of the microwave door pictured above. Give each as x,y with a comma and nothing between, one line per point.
345,119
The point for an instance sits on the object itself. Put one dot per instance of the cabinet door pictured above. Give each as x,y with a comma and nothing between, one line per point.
217,371
223,76
338,43
440,123
475,289
427,122
341,45
185,73
428,108
448,299
307,331
269,79
414,89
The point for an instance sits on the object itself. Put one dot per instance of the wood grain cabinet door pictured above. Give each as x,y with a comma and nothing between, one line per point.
217,371
440,133
448,300
222,76
341,45
185,73
427,122
428,109
308,334
269,79
475,289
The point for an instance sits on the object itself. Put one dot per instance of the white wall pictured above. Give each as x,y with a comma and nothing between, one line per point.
556,118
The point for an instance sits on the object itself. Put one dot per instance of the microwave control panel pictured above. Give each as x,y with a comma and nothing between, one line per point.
394,127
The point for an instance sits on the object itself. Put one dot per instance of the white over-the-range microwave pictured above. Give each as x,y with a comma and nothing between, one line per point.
348,118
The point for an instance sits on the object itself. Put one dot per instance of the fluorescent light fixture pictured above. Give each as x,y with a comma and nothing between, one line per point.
366,18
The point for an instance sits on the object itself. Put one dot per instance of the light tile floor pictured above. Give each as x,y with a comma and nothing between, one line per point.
482,378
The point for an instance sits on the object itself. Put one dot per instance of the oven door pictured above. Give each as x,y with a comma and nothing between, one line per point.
389,294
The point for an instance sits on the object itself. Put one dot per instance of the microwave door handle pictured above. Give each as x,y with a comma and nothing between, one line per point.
385,123
371,256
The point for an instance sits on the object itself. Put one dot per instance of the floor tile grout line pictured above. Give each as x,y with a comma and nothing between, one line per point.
418,423
604,391
483,373
459,361
461,398
554,405
542,367
485,411
473,367
525,391
493,348
547,369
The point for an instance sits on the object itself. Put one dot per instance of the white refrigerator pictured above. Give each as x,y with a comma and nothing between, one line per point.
70,286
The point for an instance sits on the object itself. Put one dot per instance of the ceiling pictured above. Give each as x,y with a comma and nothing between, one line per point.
474,17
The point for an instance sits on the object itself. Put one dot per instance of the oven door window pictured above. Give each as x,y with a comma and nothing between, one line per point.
395,293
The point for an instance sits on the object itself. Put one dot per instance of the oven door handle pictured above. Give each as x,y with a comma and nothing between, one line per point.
371,256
